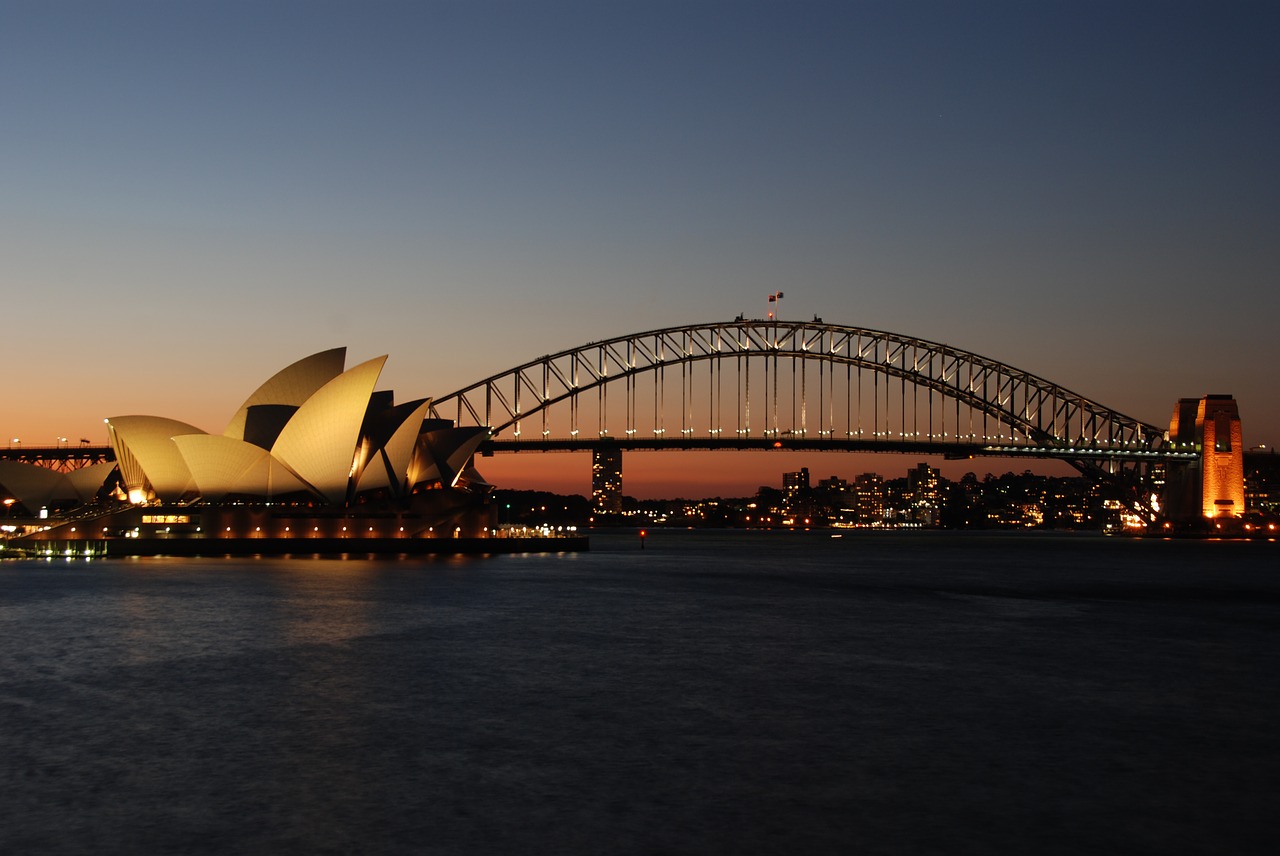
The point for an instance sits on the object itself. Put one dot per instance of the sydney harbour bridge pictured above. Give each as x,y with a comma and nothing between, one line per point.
801,385
797,385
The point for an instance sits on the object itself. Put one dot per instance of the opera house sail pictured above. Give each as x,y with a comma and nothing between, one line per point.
316,451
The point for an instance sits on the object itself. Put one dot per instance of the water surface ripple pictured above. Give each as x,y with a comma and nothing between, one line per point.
717,692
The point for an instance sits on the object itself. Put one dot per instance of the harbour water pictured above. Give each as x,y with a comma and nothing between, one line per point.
715,692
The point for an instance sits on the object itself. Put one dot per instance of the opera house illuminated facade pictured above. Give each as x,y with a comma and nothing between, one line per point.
314,452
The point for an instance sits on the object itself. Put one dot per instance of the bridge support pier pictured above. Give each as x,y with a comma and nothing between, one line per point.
1213,486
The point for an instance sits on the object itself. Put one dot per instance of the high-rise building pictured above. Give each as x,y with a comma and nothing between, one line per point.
796,496
870,490
926,496
606,480
793,484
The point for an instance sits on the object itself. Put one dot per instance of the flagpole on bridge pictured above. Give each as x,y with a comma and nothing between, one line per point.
775,314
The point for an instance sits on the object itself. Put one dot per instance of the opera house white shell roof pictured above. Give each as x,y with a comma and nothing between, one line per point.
313,428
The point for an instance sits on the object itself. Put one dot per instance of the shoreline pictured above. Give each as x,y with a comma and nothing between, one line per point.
207,547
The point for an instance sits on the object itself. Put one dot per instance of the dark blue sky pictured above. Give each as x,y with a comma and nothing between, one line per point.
1087,191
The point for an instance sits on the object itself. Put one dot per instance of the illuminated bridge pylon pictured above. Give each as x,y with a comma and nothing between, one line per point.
797,385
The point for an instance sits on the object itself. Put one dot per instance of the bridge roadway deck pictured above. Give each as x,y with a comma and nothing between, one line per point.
945,449
61,458
62,453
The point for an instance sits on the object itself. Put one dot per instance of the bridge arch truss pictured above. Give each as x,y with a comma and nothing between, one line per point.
721,384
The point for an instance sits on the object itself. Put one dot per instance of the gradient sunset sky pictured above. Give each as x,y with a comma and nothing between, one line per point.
195,194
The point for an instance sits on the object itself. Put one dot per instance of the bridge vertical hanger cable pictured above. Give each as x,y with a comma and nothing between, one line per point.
768,426
686,393
823,398
932,356
940,374
877,361
902,391
804,396
573,396
859,405
775,379
848,398
985,395
888,386
715,420
657,388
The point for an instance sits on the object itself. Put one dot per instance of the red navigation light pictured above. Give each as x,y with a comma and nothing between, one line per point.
777,444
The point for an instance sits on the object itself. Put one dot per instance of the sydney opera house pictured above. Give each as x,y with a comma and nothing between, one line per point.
313,453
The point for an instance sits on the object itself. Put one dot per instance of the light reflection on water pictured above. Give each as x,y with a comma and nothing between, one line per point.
714,692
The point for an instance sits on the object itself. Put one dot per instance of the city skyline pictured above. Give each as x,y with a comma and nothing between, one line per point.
1082,191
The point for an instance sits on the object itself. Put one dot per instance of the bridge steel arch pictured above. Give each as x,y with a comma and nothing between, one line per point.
947,397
